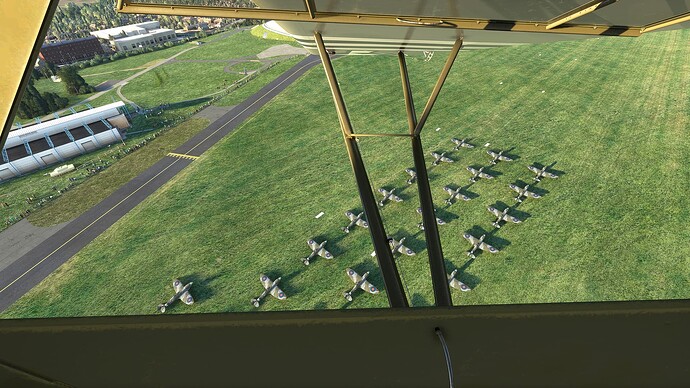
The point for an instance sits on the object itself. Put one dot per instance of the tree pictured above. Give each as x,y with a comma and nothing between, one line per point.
74,83
36,104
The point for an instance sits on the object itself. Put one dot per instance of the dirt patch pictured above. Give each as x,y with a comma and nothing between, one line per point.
280,50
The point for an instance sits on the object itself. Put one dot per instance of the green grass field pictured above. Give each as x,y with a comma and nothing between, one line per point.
242,44
612,113
259,31
136,61
263,78
95,79
181,81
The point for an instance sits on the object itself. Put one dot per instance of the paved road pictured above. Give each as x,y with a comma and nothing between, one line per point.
31,268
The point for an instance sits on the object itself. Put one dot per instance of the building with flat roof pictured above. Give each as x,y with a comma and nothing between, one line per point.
70,51
135,36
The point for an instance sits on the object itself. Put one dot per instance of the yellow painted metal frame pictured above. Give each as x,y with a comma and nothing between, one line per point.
579,11
666,23
21,33
312,15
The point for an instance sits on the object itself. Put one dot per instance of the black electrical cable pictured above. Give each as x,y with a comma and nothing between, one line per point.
446,353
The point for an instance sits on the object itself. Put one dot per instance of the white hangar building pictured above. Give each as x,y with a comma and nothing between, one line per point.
40,145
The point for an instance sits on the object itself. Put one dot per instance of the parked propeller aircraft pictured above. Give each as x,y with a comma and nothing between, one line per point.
360,282
413,175
502,216
541,172
454,194
460,143
388,195
498,156
440,158
355,220
457,284
421,224
316,249
397,246
523,192
181,293
478,243
270,287
478,174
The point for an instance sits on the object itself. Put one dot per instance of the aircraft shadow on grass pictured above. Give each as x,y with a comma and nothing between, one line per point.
331,246
418,299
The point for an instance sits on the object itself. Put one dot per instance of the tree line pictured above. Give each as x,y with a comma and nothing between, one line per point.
74,21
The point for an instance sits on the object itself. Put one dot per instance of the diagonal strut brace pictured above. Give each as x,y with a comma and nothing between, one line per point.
391,277
433,240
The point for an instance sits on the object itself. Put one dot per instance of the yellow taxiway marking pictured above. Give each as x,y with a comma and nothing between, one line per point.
147,182
183,156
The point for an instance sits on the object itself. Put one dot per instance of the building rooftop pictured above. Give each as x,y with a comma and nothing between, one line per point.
65,120
64,42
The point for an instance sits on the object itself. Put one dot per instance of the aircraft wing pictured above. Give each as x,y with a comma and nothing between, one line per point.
447,159
472,170
486,247
456,141
449,190
505,158
177,285
440,221
350,215
510,218
436,155
354,276
362,223
485,175
410,172
186,297
515,188
396,198
368,287
405,250
473,240
455,283
495,211
312,244
492,153
278,293
324,253
550,175
534,169
384,192
265,281
531,194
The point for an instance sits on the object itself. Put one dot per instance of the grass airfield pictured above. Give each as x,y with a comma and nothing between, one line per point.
613,117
